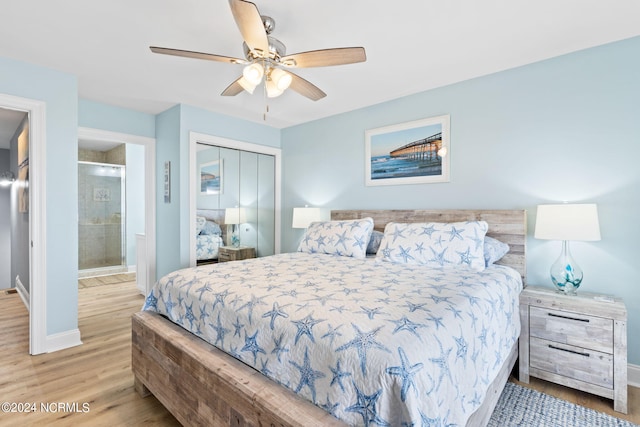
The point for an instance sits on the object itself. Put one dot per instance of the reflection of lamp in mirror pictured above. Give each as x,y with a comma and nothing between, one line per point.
6,178
567,222
302,217
233,217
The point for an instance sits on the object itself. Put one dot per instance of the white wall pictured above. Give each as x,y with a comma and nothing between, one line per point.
135,208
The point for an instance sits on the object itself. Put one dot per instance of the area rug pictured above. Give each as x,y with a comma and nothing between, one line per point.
521,406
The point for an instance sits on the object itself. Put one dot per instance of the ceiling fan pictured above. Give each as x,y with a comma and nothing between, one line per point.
266,59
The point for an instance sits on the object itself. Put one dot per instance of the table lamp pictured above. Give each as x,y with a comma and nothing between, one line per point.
567,222
302,217
233,217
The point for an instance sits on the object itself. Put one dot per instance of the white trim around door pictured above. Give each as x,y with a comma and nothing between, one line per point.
37,217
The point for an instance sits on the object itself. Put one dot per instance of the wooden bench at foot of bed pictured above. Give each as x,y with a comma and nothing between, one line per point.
200,385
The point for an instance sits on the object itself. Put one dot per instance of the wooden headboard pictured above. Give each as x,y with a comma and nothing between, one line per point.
508,226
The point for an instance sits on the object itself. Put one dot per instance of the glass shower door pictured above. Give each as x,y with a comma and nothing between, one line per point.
101,211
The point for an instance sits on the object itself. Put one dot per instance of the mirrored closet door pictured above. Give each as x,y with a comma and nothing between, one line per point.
235,202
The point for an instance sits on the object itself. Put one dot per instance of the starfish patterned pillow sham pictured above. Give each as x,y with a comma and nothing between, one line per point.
344,238
435,244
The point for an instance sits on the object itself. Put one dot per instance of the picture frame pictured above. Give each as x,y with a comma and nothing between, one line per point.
416,152
211,178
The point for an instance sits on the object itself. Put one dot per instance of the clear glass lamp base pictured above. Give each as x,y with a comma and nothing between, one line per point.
235,238
566,274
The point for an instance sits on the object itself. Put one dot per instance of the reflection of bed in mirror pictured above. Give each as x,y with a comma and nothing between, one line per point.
210,233
201,384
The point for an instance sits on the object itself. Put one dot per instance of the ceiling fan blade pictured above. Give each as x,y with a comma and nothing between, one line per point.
196,55
325,57
305,88
233,89
250,25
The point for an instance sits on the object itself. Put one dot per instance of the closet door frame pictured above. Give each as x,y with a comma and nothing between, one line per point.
194,139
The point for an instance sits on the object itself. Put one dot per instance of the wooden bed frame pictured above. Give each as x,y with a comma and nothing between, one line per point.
201,385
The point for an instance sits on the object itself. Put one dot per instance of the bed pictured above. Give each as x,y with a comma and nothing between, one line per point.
209,234
202,385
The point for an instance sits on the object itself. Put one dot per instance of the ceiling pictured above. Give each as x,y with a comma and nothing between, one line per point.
411,46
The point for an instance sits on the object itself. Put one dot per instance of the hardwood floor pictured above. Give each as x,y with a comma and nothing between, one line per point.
98,372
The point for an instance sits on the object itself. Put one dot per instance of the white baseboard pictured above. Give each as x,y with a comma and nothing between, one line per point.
633,375
24,294
63,340
131,269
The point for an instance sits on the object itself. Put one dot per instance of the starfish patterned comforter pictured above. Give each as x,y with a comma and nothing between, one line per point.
371,342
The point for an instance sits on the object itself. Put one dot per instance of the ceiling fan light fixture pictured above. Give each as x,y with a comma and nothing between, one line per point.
272,89
253,73
264,55
246,85
281,78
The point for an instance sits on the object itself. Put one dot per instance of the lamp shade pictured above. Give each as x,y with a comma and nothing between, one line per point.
567,222
246,85
253,73
235,216
302,217
281,78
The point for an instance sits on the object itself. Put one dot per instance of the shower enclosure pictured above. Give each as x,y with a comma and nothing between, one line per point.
101,218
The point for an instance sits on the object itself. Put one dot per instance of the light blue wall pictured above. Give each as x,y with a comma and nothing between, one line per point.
168,214
96,115
172,137
60,92
563,129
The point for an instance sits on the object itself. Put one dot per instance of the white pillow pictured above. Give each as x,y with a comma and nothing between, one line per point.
344,238
435,244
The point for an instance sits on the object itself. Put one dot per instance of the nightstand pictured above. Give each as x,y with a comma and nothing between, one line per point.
578,341
231,253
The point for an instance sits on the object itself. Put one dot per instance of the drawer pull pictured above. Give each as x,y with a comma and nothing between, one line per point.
567,317
570,351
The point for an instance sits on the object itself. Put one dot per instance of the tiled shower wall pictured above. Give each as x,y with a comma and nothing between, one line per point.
100,210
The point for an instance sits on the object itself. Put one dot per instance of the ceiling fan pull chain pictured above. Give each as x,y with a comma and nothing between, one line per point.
266,102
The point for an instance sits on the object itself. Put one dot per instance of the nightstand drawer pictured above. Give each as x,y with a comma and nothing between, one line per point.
575,329
573,362
232,253
225,256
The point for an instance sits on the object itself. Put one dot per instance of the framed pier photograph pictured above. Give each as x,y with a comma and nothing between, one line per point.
211,178
415,152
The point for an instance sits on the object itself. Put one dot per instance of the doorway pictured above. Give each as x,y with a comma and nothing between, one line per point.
35,199
14,227
136,251
102,214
